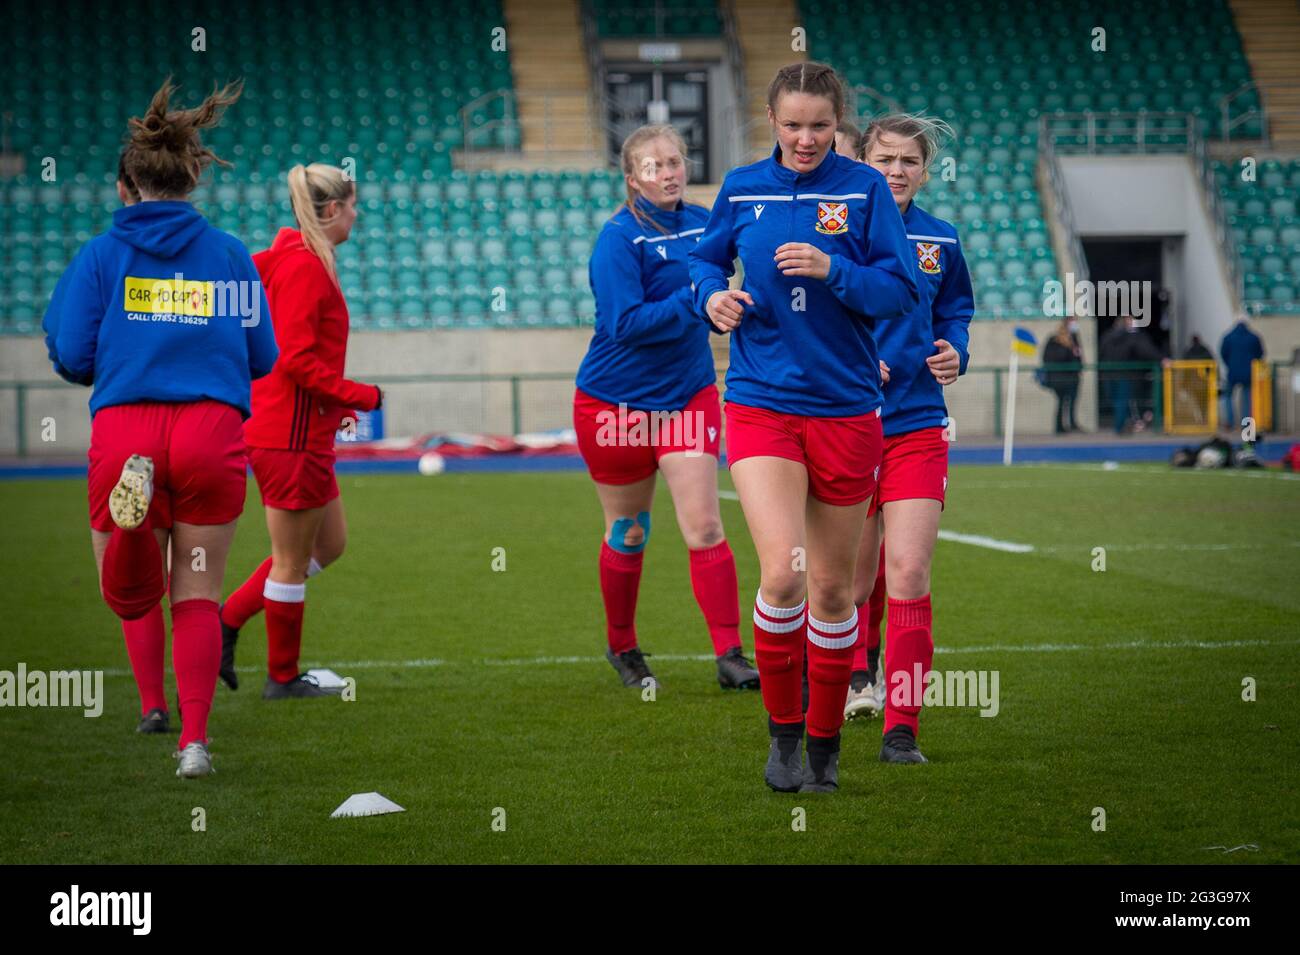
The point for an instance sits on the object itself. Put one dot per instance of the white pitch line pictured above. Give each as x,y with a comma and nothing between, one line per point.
976,540
992,543
344,665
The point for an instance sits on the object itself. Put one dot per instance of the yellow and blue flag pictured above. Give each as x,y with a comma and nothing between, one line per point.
1024,343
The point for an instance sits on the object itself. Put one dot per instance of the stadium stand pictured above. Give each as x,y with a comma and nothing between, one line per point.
1262,212
437,246
679,18
958,68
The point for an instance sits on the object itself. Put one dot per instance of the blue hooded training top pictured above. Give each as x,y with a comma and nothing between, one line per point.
162,307
806,345
913,397
650,348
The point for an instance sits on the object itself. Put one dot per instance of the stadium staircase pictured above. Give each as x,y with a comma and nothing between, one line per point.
764,29
1270,37
553,86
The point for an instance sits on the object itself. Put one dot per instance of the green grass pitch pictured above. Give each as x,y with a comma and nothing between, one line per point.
479,689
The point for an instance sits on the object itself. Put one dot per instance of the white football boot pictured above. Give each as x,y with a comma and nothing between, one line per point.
194,761
129,501
863,702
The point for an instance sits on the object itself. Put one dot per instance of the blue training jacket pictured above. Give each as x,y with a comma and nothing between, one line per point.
913,398
650,348
120,320
806,346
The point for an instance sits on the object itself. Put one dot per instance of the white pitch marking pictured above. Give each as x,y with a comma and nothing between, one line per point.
977,540
344,666
992,543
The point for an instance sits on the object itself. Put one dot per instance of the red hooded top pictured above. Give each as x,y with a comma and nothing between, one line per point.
301,403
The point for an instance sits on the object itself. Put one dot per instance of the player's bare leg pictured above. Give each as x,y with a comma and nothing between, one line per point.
773,494
864,684
834,536
626,509
293,537
146,641
911,530
693,482
198,568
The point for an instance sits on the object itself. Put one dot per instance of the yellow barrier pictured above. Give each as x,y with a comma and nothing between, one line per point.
1261,395
1191,397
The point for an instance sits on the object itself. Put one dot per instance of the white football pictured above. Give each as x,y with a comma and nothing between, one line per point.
432,463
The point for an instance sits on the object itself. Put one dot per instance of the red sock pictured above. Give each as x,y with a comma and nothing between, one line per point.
869,622
146,643
246,601
284,605
133,580
830,665
713,578
911,651
196,657
778,654
620,579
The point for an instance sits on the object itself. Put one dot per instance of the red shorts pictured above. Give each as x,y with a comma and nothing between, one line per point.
628,450
915,466
294,480
842,455
197,449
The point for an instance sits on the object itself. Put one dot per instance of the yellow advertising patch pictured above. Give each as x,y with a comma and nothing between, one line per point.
169,296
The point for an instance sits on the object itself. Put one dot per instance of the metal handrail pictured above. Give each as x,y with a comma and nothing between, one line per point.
597,96
466,112
735,54
1061,197
1218,215
1229,124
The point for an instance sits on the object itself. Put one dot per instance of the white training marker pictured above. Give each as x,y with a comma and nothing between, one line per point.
365,804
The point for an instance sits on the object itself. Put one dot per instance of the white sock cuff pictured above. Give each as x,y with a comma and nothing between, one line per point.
781,613
778,619
314,567
284,593
825,634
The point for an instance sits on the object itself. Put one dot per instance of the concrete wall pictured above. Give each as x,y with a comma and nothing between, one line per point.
413,408
1158,197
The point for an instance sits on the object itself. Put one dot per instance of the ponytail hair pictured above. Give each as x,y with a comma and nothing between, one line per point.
164,155
631,157
311,189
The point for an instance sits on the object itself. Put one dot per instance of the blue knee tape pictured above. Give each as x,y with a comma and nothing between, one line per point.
620,529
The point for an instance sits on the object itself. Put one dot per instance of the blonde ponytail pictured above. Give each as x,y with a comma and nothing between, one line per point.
311,189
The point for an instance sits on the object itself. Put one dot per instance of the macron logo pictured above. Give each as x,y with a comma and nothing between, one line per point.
103,908
758,210
663,253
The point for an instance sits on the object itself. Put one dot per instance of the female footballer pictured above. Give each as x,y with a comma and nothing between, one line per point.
646,402
296,411
145,314
826,262
925,352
